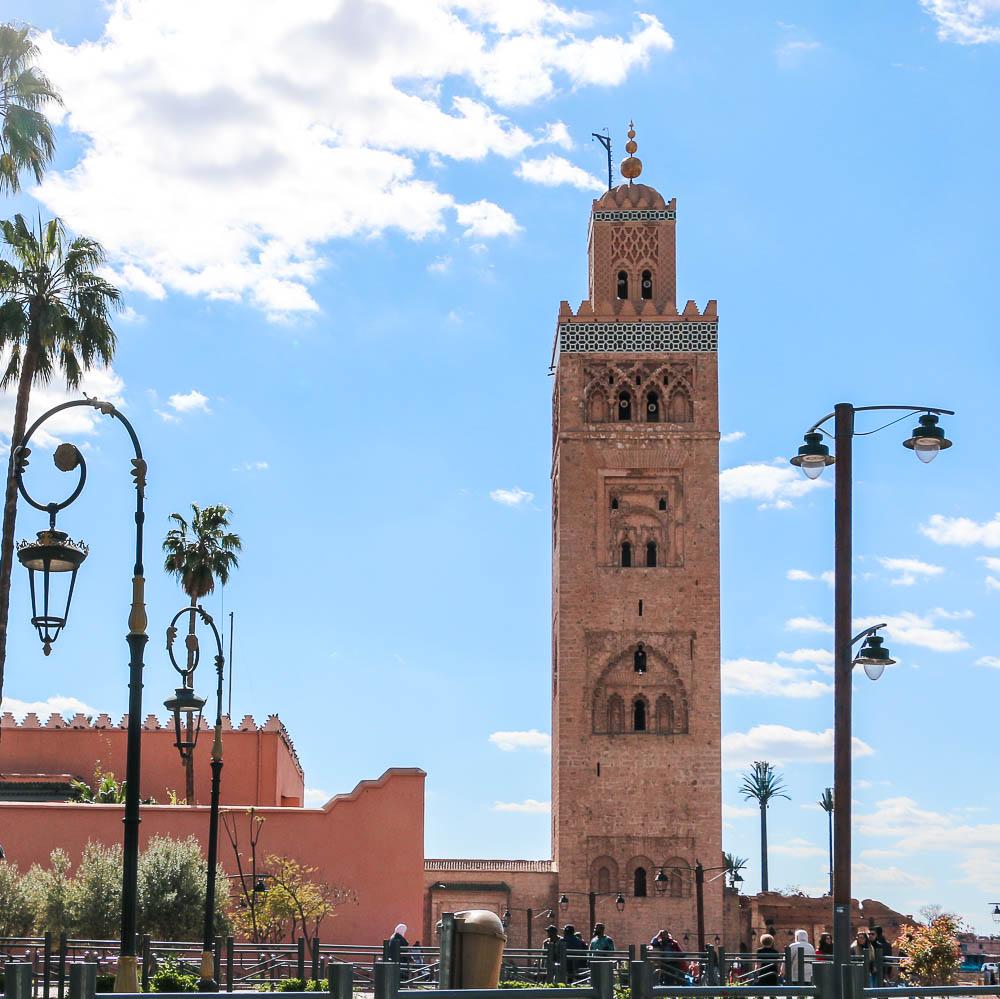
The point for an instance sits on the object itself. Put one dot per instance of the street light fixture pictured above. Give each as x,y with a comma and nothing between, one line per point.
592,897
661,881
187,703
996,911
813,457
53,552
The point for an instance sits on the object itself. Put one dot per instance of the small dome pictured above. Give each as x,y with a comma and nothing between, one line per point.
630,196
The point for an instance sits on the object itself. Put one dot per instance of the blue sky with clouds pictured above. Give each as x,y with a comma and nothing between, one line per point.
343,236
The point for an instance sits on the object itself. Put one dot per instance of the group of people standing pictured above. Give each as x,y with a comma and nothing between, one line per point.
872,949
570,951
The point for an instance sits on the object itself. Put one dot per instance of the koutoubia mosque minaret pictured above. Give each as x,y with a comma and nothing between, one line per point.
636,741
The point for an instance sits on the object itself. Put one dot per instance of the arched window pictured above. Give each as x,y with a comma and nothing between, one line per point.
651,555
614,502
639,882
624,406
663,504
639,715
639,659
647,284
653,408
626,555
622,284
664,714
604,880
616,714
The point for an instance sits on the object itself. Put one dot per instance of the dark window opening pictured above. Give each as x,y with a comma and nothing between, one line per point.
598,770
638,380
611,379
614,503
639,660
626,555
639,882
653,408
640,608
624,406
622,284
663,504
647,284
651,555
639,716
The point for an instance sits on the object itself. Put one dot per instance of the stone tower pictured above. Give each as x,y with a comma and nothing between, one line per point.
636,755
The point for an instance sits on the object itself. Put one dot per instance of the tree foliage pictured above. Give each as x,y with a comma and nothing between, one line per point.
931,955
15,906
202,551
762,784
48,891
95,893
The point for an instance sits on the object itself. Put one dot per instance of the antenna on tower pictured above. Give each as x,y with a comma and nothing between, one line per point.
605,140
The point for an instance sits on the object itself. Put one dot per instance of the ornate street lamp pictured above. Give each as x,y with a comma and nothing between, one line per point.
186,705
53,556
996,911
813,457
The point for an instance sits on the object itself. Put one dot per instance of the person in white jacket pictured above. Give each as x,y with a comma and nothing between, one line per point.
802,944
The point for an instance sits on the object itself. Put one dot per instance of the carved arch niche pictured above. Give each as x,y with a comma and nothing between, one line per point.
640,872
660,689
604,875
680,878
641,511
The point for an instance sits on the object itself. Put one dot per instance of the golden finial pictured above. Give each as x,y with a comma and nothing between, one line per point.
631,166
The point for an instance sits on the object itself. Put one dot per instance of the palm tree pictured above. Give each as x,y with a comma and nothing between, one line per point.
54,312
762,784
826,803
26,140
733,864
198,555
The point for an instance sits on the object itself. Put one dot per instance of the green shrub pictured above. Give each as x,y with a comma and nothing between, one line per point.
291,985
171,978
105,983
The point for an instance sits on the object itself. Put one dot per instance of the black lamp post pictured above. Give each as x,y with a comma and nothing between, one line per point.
546,914
185,705
662,882
926,440
53,554
592,897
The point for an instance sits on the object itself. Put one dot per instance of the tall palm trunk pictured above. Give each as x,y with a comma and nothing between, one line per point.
28,364
763,847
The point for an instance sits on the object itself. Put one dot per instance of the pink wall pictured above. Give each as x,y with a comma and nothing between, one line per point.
371,839
260,764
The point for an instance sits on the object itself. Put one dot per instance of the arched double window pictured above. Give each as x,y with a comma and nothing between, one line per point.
626,555
647,284
651,555
624,406
653,408
639,715
622,284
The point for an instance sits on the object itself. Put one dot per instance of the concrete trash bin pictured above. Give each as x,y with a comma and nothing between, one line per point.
479,940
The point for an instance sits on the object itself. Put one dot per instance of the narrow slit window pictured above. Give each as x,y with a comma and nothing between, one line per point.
622,284
651,555
624,406
639,882
647,284
640,608
639,716
639,660
626,555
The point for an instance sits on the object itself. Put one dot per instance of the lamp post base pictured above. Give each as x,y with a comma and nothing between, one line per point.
127,975
208,982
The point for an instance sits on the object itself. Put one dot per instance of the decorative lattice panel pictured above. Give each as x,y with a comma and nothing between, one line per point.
634,244
638,215
638,338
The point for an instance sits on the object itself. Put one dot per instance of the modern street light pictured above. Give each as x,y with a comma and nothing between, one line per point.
926,441
185,704
996,911
592,897
54,553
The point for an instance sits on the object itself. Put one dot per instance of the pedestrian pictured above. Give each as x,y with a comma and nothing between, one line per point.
824,949
574,946
863,949
767,962
396,953
660,946
802,944
600,940
883,952
554,954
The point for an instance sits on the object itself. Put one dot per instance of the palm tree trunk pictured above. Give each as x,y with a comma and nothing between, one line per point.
28,364
829,816
763,847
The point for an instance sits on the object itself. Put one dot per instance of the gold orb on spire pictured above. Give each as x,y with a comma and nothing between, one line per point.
631,166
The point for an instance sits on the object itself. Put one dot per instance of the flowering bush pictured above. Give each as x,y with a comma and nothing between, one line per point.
930,955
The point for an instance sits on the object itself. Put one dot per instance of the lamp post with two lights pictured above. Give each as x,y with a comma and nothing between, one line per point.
592,897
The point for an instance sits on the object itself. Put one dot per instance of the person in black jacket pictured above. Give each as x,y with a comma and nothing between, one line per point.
396,953
767,962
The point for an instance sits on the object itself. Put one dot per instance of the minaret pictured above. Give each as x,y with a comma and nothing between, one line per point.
636,741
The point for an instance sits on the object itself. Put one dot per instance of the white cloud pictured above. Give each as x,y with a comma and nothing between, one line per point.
818,656
734,812
189,402
992,661
167,417
314,797
962,531
750,676
801,576
774,484
798,848
66,706
781,744
807,623
558,170
910,569
967,22
237,119
512,497
865,874
483,219
791,53
532,739
992,583
528,805
440,265
991,563
730,438
915,629
253,466
99,383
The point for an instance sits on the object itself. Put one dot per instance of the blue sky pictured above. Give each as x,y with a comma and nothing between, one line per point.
343,240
